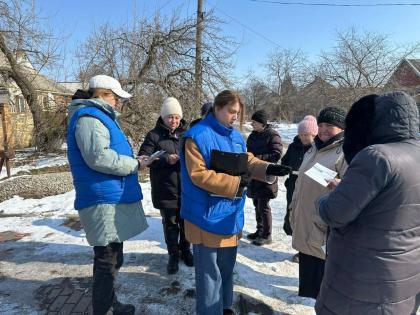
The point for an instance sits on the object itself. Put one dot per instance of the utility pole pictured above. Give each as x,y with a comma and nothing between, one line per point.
198,51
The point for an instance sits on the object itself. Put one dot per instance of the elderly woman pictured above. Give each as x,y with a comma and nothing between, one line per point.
373,264
309,234
165,176
307,131
214,201
108,195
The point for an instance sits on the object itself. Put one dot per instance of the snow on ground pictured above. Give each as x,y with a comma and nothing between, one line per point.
265,276
48,160
287,131
262,274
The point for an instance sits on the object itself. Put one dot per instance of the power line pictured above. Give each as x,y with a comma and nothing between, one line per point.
164,5
338,4
249,28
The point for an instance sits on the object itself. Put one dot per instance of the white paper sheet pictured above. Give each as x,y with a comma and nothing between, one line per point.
157,154
321,174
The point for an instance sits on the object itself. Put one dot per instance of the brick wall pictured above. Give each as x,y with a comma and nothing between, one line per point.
405,76
20,125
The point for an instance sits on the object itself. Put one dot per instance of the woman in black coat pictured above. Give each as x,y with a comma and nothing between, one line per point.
165,177
265,144
307,130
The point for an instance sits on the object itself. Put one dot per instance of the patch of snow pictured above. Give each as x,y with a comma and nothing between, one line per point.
49,160
287,131
53,251
265,274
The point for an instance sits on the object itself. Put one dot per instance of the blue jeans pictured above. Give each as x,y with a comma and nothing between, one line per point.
214,278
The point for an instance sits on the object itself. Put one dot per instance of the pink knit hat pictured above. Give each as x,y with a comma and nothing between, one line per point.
308,125
310,117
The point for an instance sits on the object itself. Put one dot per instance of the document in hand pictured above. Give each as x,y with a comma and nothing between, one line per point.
321,174
157,154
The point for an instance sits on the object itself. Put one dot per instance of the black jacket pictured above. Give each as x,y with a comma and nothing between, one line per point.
165,178
293,158
267,146
195,122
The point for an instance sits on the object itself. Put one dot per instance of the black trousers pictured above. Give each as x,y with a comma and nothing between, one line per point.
290,188
311,272
263,216
173,229
107,261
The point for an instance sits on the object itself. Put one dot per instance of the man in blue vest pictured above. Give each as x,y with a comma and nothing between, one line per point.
108,194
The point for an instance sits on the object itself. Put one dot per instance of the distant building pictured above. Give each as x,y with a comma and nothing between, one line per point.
406,77
51,95
73,86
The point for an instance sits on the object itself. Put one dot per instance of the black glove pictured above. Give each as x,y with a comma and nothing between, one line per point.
245,180
278,170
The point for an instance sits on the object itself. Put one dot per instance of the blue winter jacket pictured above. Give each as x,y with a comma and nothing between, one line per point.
214,214
93,187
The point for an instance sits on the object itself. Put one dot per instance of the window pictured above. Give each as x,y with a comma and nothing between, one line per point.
46,102
20,104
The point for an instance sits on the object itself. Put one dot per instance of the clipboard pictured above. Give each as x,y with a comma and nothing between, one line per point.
235,164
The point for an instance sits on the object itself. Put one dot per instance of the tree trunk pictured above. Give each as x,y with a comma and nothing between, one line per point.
28,91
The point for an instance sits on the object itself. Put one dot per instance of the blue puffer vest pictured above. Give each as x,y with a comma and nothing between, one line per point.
217,215
93,187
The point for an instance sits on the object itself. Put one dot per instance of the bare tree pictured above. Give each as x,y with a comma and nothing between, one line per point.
27,48
287,69
361,62
255,93
154,58
291,63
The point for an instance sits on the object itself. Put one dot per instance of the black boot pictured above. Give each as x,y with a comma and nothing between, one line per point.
260,241
123,309
172,267
228,311
253,236
187,257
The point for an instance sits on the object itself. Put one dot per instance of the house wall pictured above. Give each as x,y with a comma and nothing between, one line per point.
405,76
19,129
406,79
6,119
20,125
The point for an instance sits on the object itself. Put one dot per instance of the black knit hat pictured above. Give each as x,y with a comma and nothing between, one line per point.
205,108
261,116
332,115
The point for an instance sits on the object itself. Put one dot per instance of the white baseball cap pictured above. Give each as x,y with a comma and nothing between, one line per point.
102,81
